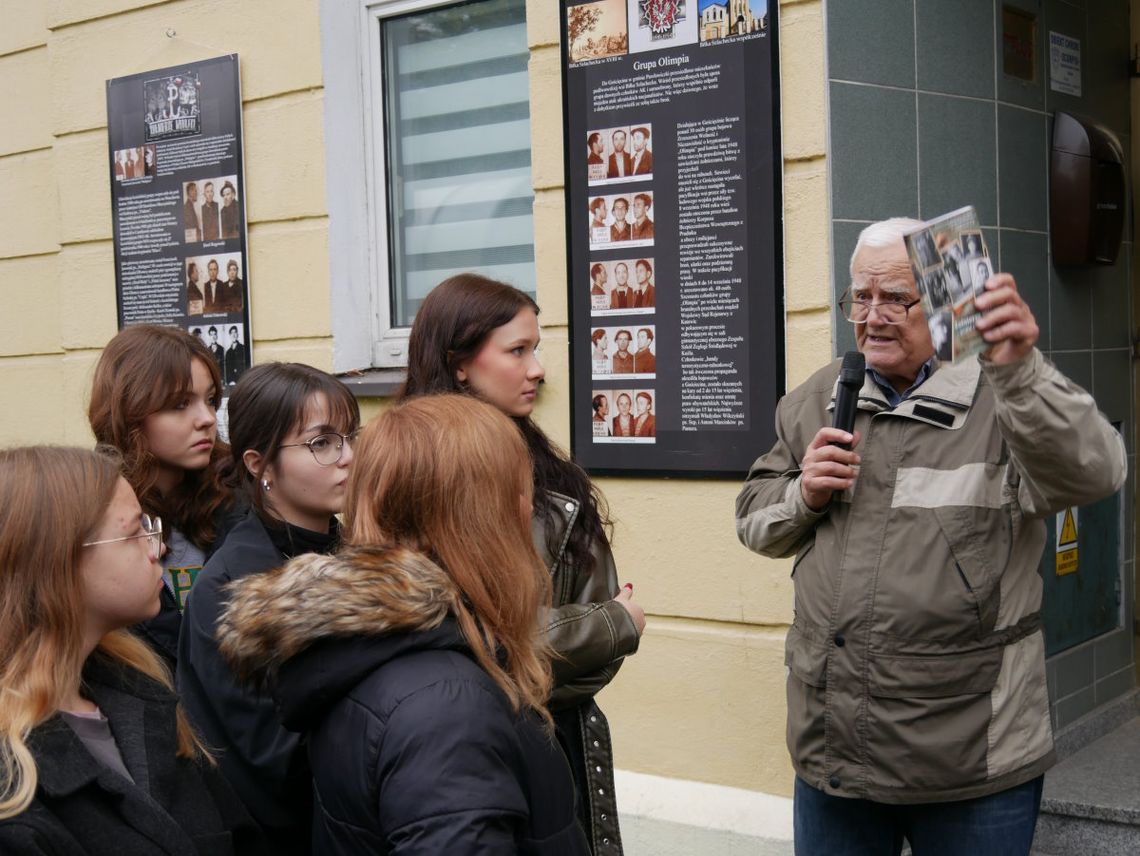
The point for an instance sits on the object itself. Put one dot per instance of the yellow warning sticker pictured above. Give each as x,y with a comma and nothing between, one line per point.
1067,542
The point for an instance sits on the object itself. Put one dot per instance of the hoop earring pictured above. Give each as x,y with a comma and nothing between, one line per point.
265,485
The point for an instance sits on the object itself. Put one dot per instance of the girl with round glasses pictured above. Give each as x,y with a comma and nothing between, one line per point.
96,756
154,398
478,336
291,429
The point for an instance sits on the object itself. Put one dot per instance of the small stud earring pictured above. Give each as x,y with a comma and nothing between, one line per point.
265,485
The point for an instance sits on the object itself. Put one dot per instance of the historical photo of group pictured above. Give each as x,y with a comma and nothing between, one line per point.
618,219
951,265
623,351
204,217
597,30
214,284
229,350
136,162
619,154
612,291
623,415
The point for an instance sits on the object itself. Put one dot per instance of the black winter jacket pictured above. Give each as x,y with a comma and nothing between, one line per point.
83,808
266,765
413,747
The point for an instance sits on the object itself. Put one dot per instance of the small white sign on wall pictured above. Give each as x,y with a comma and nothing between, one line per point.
1064,64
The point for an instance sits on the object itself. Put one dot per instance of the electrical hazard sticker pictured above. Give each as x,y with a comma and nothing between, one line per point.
1067,542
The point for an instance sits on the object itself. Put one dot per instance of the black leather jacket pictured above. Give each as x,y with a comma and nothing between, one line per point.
592,634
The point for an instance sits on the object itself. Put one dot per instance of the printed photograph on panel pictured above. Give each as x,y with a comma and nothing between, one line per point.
623,416
623,286
219,281
621,219
597,30
616,155
627,350
657,24
725,19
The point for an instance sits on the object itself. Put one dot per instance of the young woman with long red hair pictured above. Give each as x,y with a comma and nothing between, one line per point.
96,758
412,659
479,337
154,398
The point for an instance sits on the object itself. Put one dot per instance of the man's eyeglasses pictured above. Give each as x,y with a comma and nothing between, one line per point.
152,529
327,448
890,311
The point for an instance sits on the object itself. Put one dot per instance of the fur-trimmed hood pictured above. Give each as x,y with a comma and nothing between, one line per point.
356,596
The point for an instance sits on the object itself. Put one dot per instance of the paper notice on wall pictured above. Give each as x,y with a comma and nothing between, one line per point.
1064,64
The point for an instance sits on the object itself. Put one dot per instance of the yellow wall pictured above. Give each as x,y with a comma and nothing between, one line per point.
703,699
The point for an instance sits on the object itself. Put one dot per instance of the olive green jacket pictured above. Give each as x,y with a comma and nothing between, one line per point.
916,654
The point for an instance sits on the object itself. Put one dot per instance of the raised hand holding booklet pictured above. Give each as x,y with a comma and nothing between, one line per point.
951,265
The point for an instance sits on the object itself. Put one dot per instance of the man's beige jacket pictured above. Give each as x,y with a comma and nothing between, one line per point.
916,655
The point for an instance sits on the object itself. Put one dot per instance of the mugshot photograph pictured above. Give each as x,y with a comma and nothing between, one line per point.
209,213
622,361
194,300
620,163
230,216
620,230
621,295
644,360
237,360
232,297
642,228
645,424
645,296
642,158
623,422
191,221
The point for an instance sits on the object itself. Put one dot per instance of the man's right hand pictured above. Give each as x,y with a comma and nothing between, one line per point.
827,468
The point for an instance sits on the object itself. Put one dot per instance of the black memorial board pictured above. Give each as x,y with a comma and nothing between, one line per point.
674,233
178,205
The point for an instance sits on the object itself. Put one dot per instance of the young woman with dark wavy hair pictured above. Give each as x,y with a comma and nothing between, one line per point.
154,398
479,337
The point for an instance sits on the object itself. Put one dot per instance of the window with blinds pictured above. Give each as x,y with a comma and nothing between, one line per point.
457,148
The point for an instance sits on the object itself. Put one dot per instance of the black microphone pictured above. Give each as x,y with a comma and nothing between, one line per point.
847,393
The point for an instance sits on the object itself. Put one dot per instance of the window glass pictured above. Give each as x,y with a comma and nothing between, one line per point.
457,143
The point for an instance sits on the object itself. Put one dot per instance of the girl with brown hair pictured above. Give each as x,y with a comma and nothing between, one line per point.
412,659
95,756
478,336
154,398
291,428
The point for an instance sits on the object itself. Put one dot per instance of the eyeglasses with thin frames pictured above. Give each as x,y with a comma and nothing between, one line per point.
327,448
152,529
890,312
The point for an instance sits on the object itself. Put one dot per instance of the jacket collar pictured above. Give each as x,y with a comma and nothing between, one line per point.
361,591
942,400
565,510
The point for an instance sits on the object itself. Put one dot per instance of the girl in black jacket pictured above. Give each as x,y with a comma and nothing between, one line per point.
291,428
154,398
412,659
96,759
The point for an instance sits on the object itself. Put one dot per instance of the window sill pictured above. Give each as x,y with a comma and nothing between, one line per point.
374,383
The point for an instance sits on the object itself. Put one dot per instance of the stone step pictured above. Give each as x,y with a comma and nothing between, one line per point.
1091,803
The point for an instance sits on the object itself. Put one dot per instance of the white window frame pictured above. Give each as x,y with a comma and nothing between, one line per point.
352,64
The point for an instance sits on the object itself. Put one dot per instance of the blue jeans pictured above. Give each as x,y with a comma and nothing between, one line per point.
1001,824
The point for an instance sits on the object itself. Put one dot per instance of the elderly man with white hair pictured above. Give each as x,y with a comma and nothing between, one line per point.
917,704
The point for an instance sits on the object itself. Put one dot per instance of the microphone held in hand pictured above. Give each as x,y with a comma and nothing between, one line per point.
847,393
